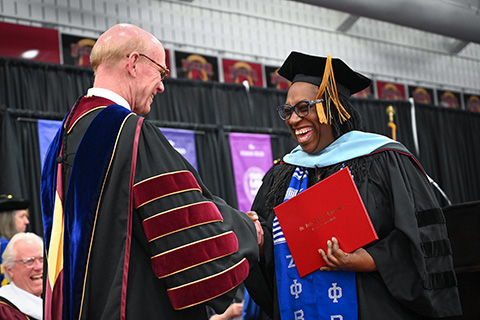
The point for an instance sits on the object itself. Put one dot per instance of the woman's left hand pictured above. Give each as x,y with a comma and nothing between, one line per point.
336,259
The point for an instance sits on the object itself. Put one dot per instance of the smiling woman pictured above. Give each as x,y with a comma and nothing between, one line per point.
23,263
407,273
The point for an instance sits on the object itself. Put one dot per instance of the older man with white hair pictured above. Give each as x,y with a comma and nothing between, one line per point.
23,263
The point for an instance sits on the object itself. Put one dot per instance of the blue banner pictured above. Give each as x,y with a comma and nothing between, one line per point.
184,142
46,132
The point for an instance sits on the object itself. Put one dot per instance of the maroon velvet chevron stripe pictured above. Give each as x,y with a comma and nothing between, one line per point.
163,185
194,254
208,288
85,105
180,218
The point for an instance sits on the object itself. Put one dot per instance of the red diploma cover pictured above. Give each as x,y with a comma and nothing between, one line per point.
331,208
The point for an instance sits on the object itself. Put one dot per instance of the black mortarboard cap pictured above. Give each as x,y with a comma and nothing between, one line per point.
8,203
301,67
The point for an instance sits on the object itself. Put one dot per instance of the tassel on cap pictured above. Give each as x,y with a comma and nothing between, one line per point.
328,87
301,67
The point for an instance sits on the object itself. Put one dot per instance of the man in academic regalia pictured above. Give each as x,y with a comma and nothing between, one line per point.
131,231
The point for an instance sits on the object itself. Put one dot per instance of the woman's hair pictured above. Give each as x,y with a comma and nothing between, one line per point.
7,224
355,121
10,254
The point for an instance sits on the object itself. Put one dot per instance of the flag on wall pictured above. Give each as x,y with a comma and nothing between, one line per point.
251,159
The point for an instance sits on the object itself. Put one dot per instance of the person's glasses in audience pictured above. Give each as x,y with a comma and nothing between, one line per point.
29,262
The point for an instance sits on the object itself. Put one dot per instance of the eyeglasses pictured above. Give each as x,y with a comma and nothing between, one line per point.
30,261
163,70
301,108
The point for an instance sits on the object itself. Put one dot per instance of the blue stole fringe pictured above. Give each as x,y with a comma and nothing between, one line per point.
319,295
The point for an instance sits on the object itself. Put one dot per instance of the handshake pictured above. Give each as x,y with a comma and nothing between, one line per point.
253,215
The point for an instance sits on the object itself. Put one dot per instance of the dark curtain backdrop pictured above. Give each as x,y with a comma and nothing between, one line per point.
31,90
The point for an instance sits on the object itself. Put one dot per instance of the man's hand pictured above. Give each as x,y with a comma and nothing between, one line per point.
253,215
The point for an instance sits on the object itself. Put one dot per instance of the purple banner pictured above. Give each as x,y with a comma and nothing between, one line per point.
184,142
251,159
46,132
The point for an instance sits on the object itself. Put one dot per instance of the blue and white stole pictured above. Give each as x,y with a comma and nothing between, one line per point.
319,295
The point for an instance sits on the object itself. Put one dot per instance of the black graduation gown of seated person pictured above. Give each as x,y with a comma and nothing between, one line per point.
415,277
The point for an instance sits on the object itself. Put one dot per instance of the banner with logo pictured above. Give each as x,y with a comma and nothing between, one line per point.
390,91
251,159
235,71
274,80
421,94
449,99
196,66
76,50
184,142
47,129
366,93
471,102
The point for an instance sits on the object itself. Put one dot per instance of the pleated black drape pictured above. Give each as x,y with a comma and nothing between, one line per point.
449,150
46,87
447,144
376,119
20,164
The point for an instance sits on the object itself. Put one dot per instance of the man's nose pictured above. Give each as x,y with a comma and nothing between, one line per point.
161,87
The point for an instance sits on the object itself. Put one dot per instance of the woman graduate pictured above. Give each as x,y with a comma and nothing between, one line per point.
408,272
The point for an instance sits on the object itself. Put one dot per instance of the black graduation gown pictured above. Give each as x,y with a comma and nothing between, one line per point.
415,277
160,261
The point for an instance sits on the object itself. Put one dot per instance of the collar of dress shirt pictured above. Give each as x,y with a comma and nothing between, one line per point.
107,94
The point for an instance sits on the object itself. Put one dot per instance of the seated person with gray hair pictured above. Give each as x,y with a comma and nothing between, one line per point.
23,264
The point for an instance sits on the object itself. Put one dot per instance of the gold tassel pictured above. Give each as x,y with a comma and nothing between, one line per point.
329,88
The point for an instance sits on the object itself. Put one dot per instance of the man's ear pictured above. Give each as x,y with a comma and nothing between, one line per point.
8,270
132,63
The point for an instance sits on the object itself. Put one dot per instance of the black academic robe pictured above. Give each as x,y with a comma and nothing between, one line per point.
188,248
415,277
